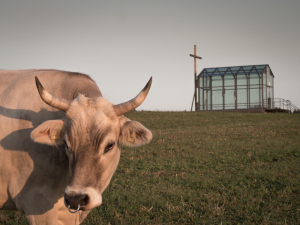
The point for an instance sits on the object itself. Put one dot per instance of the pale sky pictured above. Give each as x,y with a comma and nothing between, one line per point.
121,44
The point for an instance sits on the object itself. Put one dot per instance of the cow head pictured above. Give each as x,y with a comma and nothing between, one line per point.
92,132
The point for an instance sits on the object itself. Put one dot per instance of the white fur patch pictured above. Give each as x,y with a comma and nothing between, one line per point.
95,198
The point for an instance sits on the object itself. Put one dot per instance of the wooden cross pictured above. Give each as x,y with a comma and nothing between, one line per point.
195,70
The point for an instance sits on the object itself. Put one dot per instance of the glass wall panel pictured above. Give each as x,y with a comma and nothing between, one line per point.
217,82
241,92
228,81
229,99
241,80
254,79
272,90
265,78
222,69
217,97
260,67
242,98
200,93
271,80
235,68
255,100
206,93
201,98
217,100
272,98
269,85
247,67
208,82
229,86
210,69
264,89
255,91
200,82
207,100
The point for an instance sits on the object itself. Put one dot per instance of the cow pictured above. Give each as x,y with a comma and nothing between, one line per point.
60,143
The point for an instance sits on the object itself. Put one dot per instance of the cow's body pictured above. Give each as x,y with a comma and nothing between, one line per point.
34,176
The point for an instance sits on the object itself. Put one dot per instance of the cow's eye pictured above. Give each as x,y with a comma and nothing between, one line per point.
109,147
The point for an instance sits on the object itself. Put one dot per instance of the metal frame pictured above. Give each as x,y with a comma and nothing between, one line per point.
264,90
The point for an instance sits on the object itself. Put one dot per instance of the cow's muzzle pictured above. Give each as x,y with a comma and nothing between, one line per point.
76,201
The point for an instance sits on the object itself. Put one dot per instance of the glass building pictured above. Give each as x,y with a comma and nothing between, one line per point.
235,88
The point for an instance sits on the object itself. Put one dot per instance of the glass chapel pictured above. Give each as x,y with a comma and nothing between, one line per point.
235,88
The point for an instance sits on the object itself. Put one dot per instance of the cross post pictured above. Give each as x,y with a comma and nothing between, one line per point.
195,71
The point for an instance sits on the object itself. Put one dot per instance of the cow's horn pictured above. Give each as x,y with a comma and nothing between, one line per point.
59,103
133,103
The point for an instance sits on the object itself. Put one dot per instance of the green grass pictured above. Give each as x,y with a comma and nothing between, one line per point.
205,168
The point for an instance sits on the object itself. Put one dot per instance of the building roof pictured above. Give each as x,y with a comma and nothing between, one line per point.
234,70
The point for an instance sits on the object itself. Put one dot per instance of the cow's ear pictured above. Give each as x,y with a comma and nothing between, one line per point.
50,132
133,133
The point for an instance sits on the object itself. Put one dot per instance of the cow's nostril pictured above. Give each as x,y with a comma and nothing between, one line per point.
84,200
76,199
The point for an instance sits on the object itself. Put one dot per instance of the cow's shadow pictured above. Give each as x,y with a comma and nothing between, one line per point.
50,163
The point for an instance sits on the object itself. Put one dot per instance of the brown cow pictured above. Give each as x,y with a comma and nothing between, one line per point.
60,156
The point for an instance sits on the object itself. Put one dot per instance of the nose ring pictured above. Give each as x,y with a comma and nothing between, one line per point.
74,211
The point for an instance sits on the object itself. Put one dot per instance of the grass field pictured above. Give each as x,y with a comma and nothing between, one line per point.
205,168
